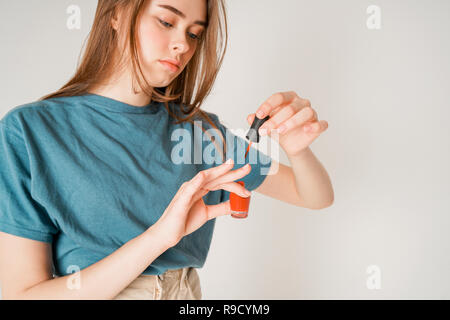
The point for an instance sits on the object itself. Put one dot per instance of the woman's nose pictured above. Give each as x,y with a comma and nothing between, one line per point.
180,45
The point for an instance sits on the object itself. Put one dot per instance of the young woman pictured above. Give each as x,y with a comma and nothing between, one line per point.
94,204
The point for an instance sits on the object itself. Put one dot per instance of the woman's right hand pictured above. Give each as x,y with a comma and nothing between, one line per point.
187,211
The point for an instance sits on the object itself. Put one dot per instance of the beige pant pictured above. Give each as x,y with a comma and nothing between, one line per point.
178,284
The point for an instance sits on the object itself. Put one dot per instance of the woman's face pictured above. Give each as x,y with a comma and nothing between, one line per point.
169,29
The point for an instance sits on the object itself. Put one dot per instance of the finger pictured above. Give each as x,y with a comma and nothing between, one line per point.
234,187
214,172
315,127
226,183
275,101
200,194
193,185
217,210
251,118
284,114
275,111
300,118
229,177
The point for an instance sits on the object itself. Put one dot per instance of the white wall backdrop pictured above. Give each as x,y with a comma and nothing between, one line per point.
384,93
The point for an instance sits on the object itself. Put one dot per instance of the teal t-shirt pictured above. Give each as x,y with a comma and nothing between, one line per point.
89,173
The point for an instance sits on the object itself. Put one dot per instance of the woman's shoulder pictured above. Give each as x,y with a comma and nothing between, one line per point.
32,111
204,115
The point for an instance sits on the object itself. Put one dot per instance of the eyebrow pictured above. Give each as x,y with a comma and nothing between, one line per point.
181,14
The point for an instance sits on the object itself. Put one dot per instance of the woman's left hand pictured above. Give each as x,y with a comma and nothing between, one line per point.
296,122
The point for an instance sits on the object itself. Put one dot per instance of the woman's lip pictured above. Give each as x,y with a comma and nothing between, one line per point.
169,65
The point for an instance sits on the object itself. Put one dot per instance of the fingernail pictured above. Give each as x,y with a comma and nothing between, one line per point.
260,114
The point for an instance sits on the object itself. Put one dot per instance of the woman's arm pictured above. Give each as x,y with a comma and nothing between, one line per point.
26,269
25,265
305,184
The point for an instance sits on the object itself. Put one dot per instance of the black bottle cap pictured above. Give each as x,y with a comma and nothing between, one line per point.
253,134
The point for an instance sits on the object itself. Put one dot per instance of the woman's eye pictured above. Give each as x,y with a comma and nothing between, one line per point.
194,36
166,24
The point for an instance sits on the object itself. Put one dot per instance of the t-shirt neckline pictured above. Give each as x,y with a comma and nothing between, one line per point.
119,106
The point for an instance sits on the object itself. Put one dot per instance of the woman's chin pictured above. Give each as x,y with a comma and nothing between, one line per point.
161,83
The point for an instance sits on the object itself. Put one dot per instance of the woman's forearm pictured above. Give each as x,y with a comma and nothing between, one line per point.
109,276
312,180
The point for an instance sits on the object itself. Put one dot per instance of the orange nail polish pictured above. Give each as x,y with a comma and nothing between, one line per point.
239,205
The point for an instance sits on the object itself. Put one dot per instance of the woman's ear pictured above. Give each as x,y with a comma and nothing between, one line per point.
114,24
115,20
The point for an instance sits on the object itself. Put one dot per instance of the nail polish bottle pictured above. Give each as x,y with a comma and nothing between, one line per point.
239,206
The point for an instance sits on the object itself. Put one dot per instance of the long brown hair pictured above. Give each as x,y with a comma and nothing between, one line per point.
189,89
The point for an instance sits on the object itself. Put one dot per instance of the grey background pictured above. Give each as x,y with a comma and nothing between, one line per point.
385,95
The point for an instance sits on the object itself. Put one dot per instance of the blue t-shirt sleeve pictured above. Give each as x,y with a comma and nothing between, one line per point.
20,214
235,149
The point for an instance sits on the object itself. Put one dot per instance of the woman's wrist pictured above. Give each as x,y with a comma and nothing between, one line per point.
156,236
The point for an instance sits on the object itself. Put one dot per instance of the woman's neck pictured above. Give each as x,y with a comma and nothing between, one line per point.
121,89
